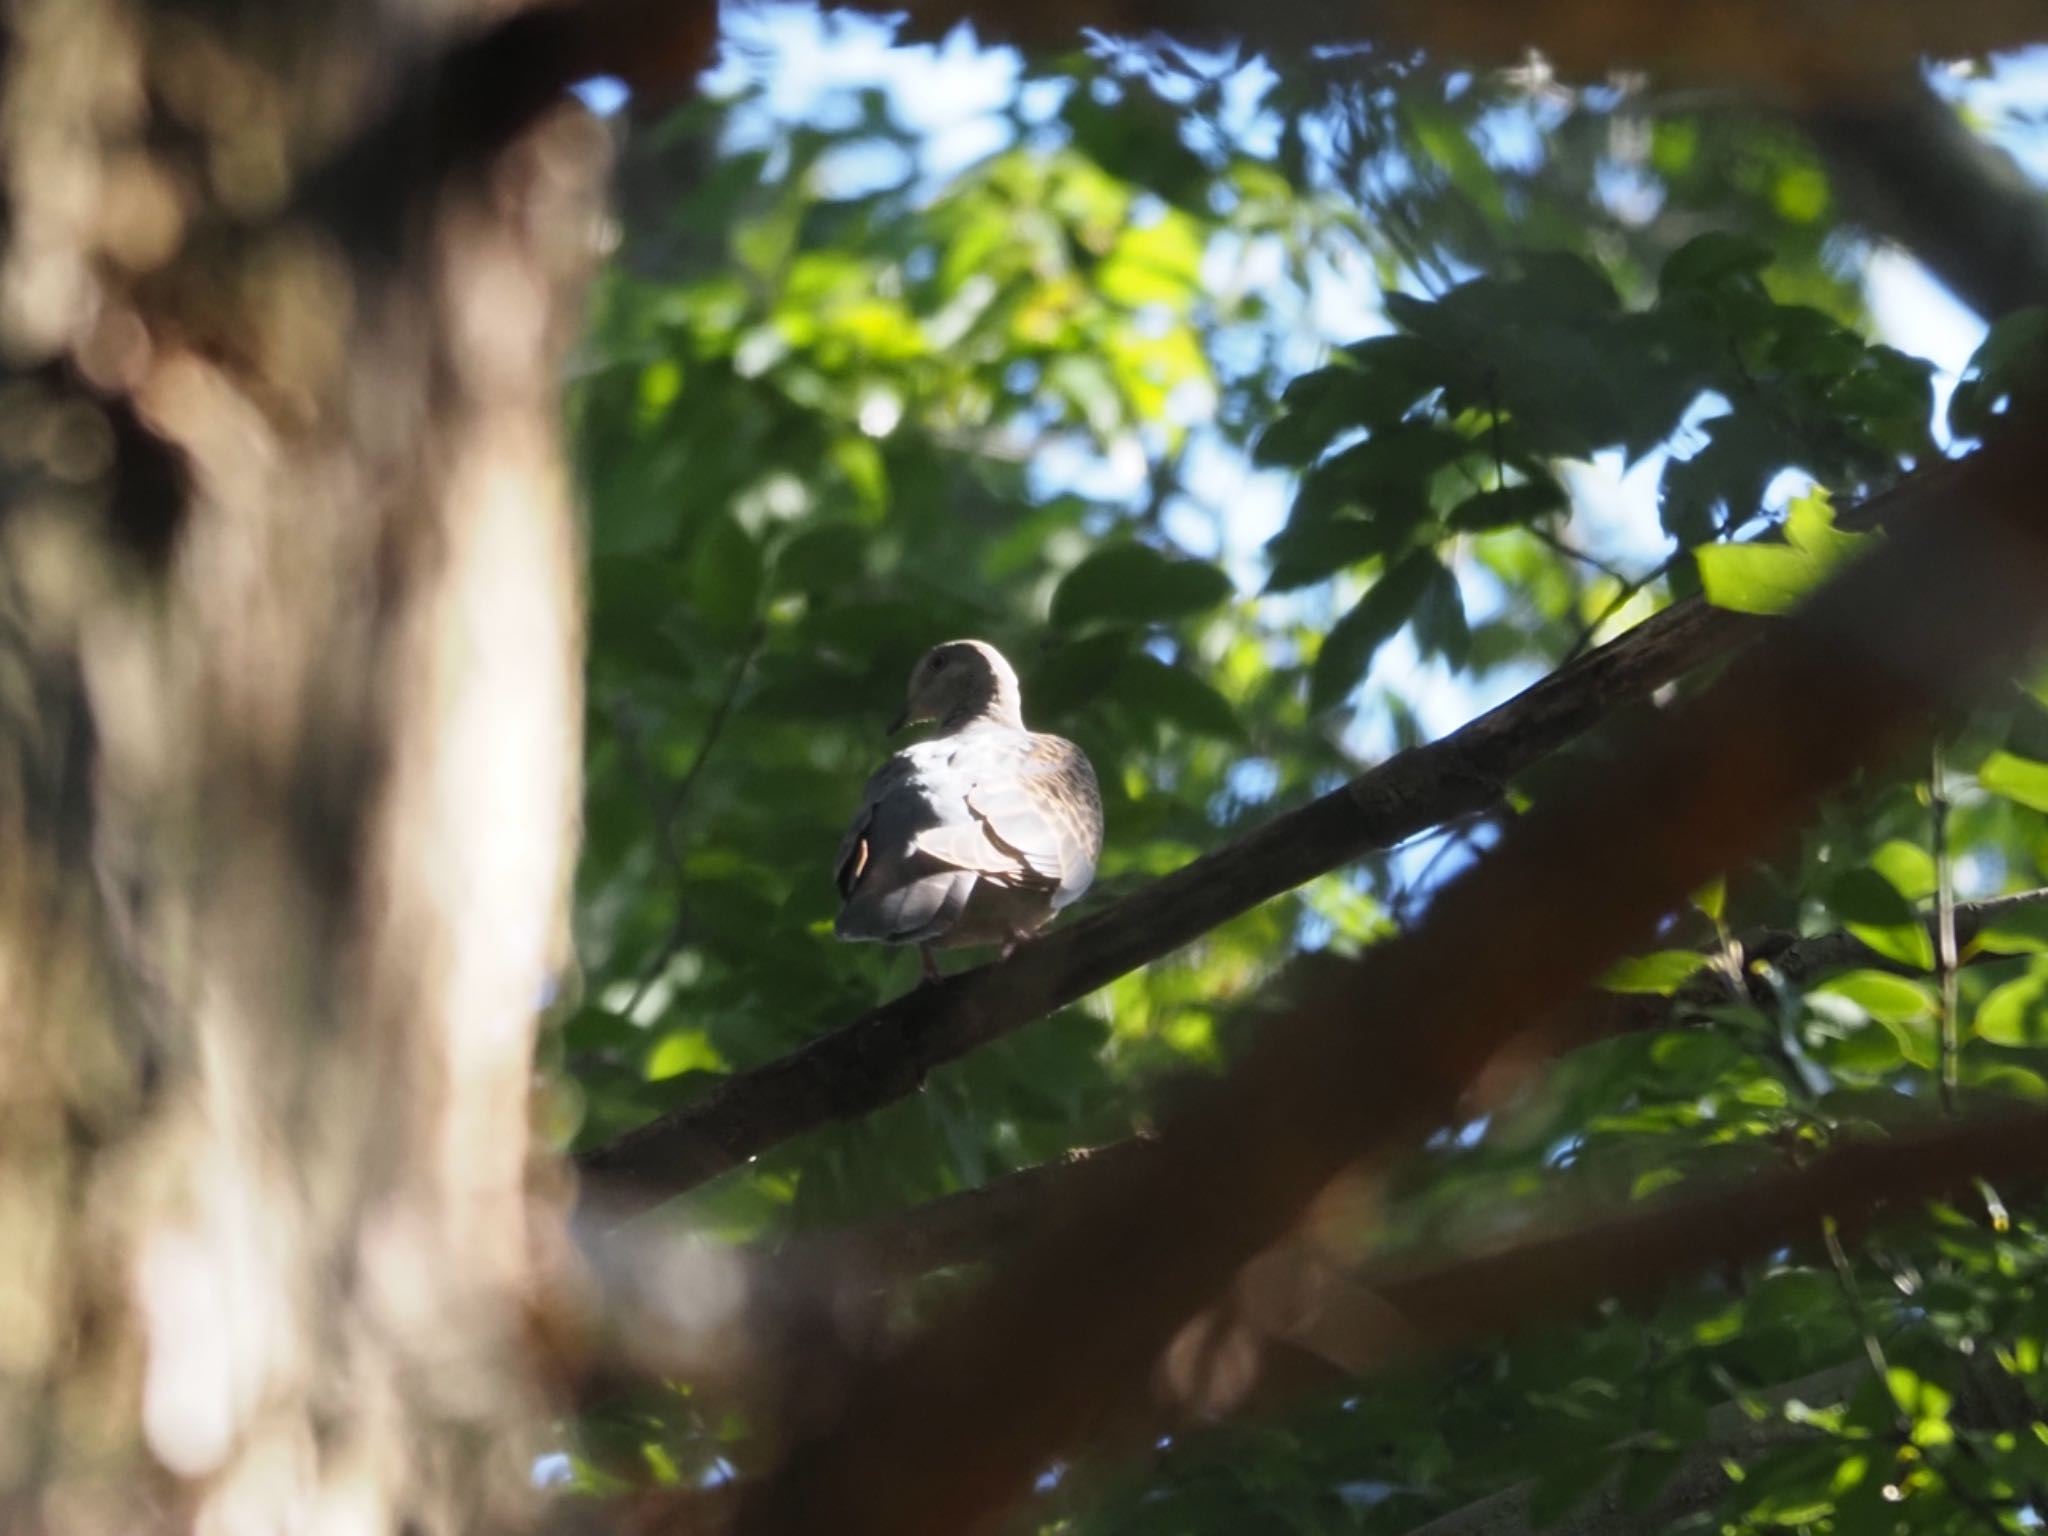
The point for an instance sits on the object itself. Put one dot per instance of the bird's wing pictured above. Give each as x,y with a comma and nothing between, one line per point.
1038,802
855,850
889,890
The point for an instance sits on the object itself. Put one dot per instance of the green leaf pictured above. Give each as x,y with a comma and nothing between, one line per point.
1660,973
1887,998
596,1030
1874,910
1917,1396
1077,671
1712,259
1510,506
2019,779
1653,1181
1566,287
1177,695
1863,896
1307,554
1386,477
1773,578
1410,312
1440,625
1755,578
725,576
1712,898
2017,930
1810,527
2012,1014
1723,483
1908,866
1295,438
1138,139
680,1051
1387,376
821,559
1136,584
1795,1297
1349,647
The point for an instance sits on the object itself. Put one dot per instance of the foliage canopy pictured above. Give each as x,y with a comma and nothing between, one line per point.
1098,395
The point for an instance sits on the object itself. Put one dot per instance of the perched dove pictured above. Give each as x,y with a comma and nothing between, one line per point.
977,836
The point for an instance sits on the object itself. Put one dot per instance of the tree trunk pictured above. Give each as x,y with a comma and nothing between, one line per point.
289,747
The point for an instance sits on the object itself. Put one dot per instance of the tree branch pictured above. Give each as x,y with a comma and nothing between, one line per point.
1942,607
886,1054
1907,168
1383,1316
778,1306
997,1218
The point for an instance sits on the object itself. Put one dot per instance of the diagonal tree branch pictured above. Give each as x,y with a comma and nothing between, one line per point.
1941,609
1908,169
781,1289
885,1054
1384,1316
763,1337
995,1218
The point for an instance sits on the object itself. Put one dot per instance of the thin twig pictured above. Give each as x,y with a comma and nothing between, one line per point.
1458,833
1585,557
668,809
661,803
1845,1275
1630,587
1873,1351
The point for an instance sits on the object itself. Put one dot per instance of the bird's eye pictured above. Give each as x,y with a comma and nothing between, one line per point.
938,663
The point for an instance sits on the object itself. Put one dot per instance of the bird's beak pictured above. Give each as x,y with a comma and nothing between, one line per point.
900,724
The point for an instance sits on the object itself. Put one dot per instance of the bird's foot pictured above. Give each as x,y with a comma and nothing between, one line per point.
928,965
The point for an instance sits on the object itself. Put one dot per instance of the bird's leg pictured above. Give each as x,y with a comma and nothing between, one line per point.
928,963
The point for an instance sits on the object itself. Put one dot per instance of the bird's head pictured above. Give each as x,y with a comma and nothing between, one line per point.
959,683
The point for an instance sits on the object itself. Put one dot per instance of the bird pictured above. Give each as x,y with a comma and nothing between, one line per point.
978,835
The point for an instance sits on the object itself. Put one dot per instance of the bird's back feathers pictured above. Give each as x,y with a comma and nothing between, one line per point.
1013,813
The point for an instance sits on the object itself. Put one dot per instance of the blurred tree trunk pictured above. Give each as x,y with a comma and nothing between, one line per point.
289,718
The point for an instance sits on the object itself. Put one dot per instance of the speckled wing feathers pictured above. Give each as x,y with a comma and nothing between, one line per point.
1044,807
1014,809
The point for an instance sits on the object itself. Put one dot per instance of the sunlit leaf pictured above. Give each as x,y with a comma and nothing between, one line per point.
1660,974
2016,778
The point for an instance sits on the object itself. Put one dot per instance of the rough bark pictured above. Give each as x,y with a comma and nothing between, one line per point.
289,697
